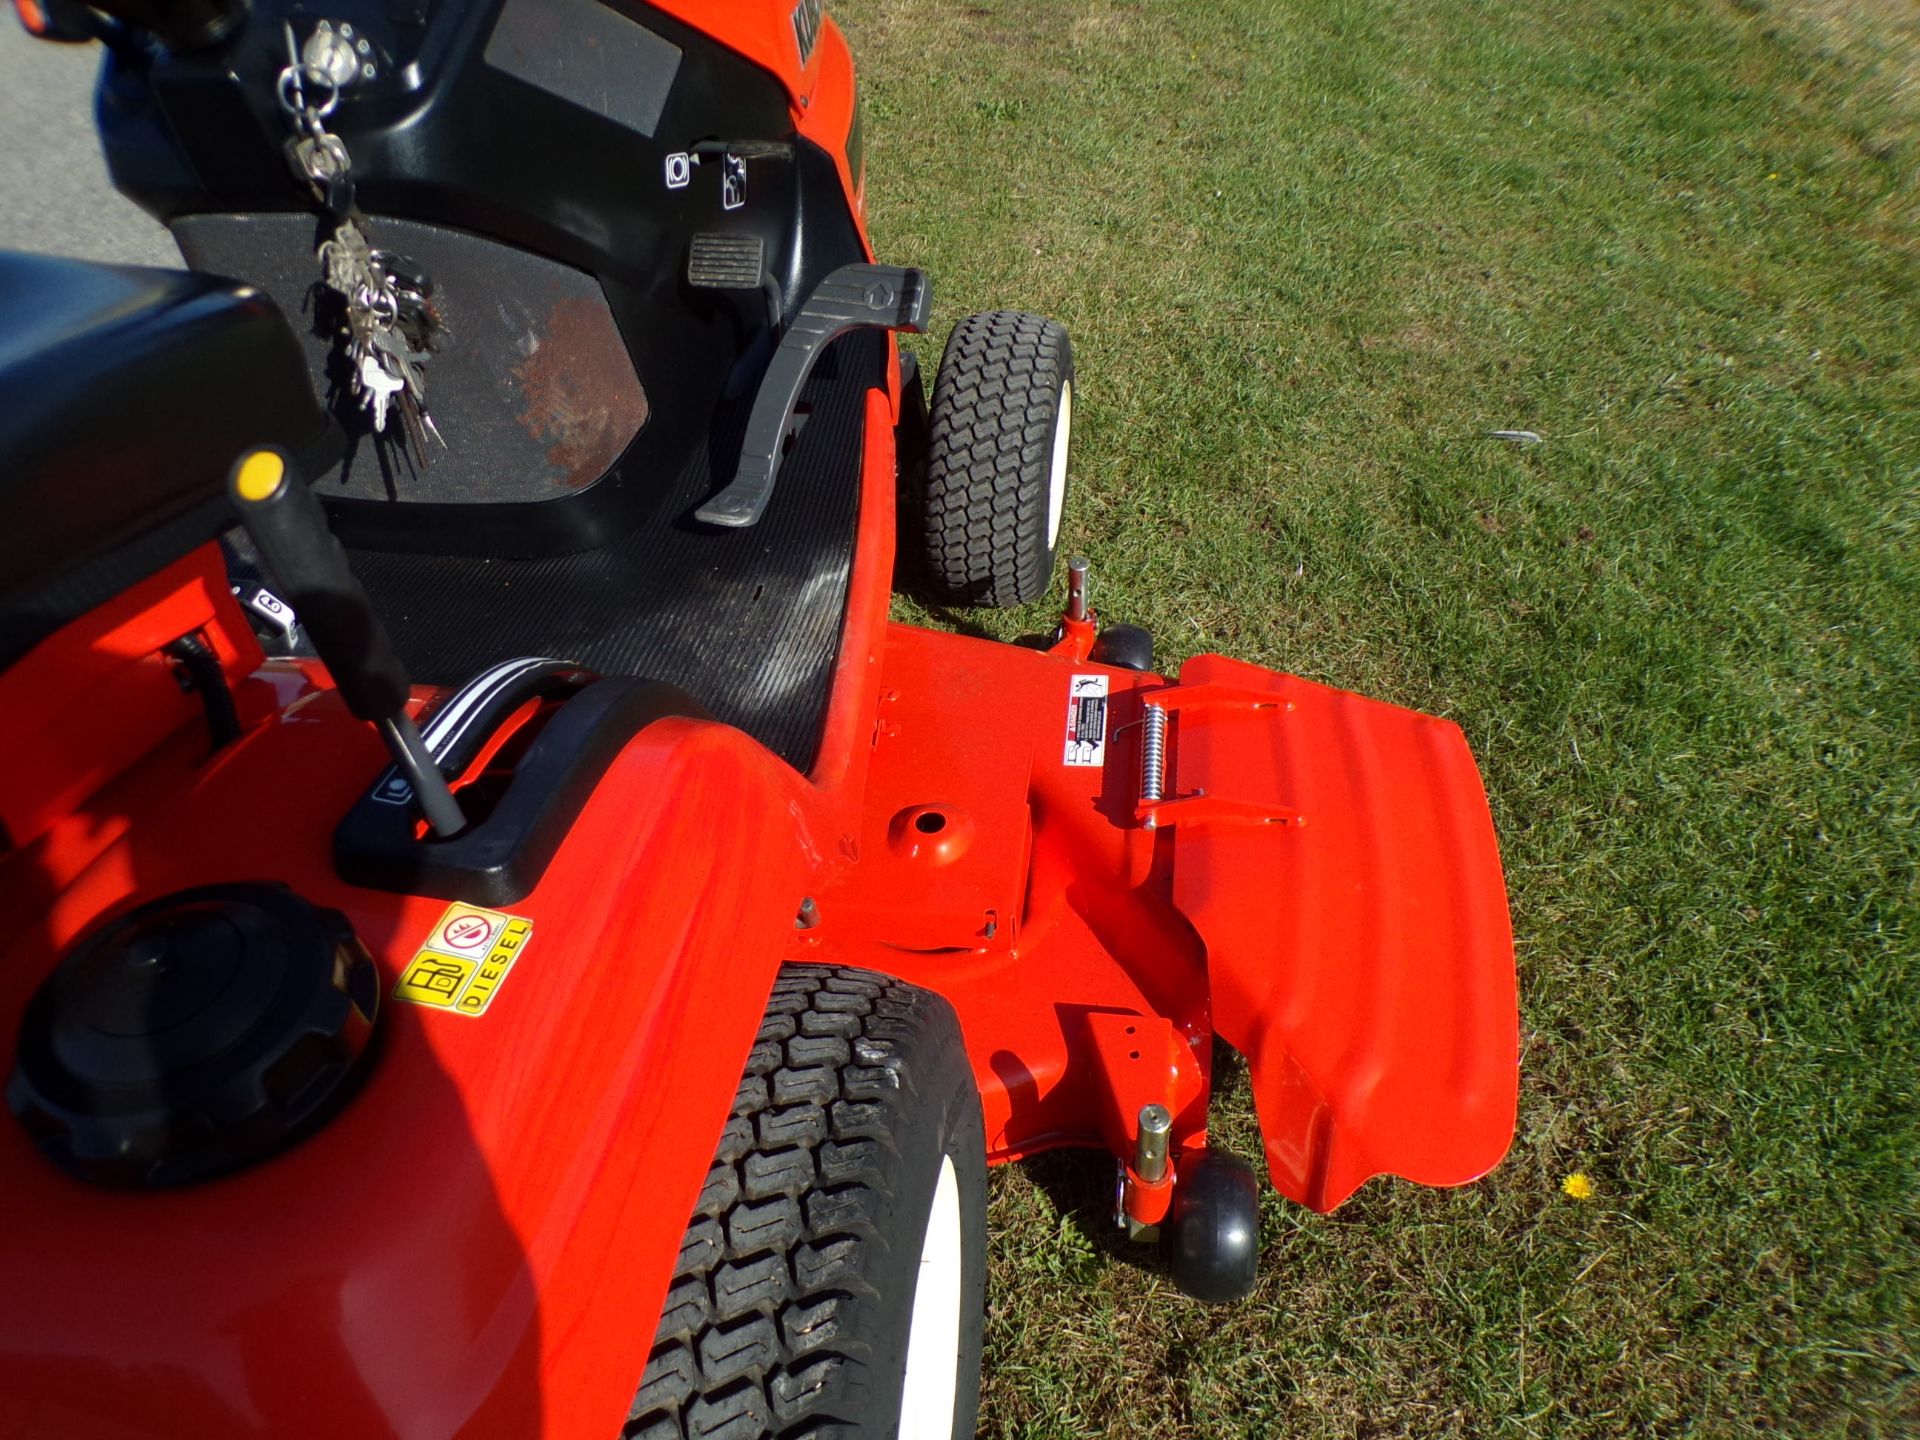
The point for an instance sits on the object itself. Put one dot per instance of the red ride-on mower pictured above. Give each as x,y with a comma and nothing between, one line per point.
504,937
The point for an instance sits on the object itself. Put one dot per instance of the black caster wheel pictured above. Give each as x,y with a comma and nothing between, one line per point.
1127,646
1213,1231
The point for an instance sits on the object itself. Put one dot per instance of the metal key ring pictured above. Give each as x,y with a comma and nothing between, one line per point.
309,74
377,302
293,91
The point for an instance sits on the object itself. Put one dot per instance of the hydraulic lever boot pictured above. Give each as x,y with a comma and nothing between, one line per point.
284,518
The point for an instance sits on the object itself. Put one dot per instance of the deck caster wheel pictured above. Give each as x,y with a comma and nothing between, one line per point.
833,1277
1128,647
986,513
1213,1231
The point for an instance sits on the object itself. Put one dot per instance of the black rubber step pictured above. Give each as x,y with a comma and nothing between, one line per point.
726,261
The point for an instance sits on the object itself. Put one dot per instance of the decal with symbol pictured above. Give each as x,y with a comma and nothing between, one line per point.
393,789
465,960
1087,721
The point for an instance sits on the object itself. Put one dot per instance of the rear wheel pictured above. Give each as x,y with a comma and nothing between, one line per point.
989,507
832,1280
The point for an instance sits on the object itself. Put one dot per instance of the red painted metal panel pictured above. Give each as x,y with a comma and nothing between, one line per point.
465,1250
86,703
1361,958
1043,912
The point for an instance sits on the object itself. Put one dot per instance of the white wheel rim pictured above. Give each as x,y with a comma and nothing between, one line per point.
933,1335
1057,476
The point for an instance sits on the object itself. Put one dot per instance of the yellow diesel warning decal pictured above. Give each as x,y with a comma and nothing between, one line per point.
465,960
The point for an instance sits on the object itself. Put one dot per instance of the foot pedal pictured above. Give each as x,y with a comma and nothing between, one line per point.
881,297
726,261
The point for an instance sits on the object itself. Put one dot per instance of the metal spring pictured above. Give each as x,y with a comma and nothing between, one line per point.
1153,754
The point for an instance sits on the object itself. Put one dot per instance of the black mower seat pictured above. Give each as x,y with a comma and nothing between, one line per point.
125,395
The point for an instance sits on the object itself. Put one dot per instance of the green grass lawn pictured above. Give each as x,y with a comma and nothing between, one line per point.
1310,251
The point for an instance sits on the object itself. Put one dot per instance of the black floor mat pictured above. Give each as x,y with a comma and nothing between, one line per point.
748,621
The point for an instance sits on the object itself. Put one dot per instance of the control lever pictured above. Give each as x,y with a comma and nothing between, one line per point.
881,297
287,525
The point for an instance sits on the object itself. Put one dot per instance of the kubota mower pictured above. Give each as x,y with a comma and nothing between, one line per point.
504,938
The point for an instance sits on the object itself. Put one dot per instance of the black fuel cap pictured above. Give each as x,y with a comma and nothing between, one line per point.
195,1035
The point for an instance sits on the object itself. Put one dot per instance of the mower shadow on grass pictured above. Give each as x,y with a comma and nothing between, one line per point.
1079,1185
960,622
910,583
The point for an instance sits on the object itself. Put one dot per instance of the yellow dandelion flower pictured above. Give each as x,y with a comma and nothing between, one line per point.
1578,1186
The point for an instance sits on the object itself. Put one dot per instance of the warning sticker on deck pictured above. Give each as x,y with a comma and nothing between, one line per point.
1087,720
465,960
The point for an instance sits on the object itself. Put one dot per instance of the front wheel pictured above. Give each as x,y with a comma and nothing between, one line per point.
988,507
832,1280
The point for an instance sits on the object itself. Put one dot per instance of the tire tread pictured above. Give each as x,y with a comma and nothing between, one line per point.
758,1321
983,502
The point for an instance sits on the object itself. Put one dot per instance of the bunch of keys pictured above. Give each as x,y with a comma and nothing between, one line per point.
391,323
389,334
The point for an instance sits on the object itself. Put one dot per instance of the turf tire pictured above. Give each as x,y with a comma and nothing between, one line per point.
988,508
791,1306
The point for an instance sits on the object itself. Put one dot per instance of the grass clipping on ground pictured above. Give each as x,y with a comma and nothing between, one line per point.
1311,251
